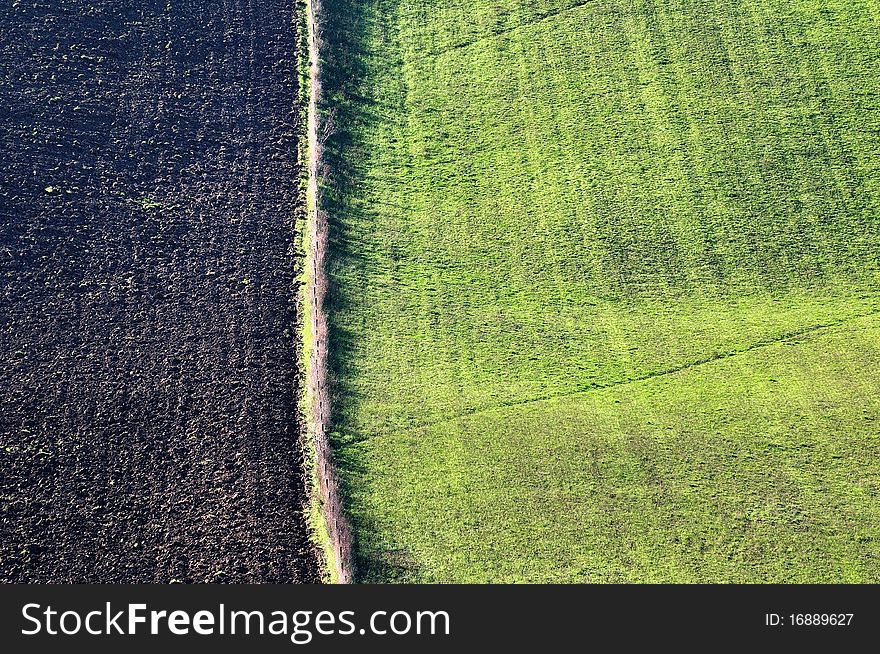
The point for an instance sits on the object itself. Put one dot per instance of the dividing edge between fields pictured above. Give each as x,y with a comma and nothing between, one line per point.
334,529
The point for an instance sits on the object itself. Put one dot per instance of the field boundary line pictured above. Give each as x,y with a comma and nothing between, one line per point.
718,356
432,54
318,407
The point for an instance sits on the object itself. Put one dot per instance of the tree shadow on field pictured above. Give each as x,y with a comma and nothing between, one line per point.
374,563
387,566
356,41
359,55
378,565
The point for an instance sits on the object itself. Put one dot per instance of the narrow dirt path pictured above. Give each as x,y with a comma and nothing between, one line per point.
318,387
148,420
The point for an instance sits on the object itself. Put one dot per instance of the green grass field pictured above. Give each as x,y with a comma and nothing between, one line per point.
605,288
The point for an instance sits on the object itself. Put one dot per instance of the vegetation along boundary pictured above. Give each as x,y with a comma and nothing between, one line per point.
333,528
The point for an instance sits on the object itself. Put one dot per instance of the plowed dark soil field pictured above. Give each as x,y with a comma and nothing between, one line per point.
148,424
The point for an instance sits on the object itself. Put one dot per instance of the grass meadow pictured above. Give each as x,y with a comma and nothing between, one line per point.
605,282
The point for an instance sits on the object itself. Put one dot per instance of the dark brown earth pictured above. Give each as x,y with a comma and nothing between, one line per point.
148,424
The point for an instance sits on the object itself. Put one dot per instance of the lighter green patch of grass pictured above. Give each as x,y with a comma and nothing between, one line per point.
148,204
760,467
